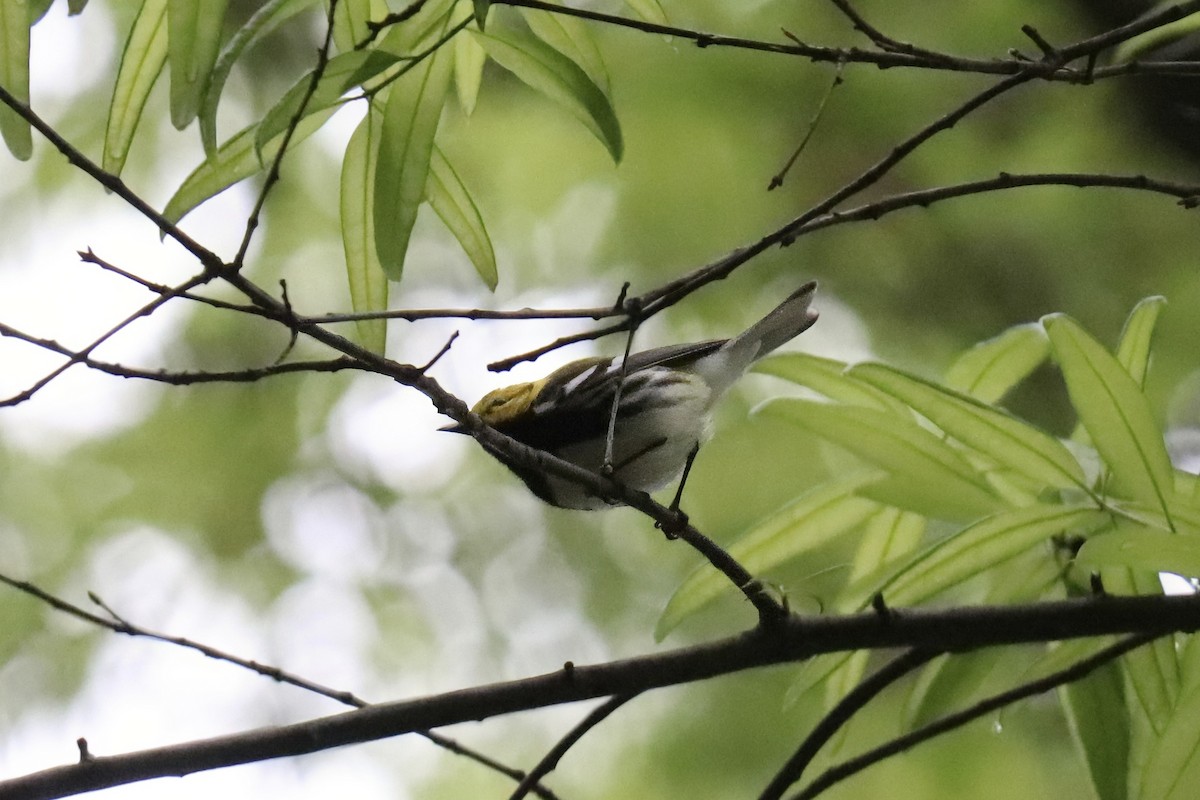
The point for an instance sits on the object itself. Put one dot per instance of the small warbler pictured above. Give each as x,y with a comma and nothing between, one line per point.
662,411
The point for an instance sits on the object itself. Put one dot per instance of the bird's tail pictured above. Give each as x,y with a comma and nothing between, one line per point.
787,321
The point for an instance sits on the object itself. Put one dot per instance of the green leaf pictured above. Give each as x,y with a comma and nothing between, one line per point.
1143,43
341,74
982,546
235,160
810,521
450,199
1132,545
1153,670
75,7
1172,771
990,369
649,10
410,120
889,535
37,10
194,38
469,60
1115,413
141,63
14,75
481,10
571,37
350,21
926,474
559,78
951,683
265,20
1133,350
826,376
368,284
1098,718
991,432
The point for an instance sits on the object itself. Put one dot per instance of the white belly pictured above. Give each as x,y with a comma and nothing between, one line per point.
649,453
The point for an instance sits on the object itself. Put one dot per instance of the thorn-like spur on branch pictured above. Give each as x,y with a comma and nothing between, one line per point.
1049,51
438,355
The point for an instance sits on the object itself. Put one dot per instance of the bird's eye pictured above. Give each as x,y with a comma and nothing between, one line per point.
497,402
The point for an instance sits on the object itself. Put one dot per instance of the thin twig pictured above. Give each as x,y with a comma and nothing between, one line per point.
1075,672
118,624
551,759
273,174
951,629
777,178
840,714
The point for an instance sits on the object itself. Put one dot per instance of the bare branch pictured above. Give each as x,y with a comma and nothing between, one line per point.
118,624
939,630
840,714
1072,673
551,759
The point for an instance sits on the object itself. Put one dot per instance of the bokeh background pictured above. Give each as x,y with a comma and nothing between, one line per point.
320,523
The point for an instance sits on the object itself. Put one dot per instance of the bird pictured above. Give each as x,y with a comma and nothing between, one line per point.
664,397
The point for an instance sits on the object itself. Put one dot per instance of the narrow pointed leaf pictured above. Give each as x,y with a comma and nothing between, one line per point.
1099,722
891,534
826,376
410,120
469,60
559,78
925,474
1142,548
1153,670
481,10
350,22
341,74
1158,36
142,61
37,10
983,546
368,284
571,37
812,520
265,20
14,75
235,160
990,369
194,39
991,432
890,539
649,10
450,199
1115,413
1133,350
1172,770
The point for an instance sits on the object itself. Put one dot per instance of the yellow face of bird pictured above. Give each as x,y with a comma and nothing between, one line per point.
505,404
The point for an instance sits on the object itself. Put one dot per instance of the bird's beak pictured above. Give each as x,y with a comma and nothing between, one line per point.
455,428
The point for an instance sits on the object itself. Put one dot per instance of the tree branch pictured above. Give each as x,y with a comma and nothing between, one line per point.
938,630
1072,673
